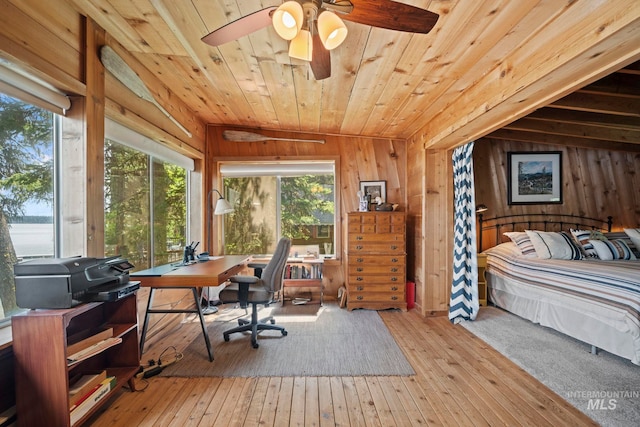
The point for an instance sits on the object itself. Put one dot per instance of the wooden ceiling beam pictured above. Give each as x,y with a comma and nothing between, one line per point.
585,117
575,130
608,104
572,141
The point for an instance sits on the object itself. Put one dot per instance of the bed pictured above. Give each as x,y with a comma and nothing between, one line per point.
594,300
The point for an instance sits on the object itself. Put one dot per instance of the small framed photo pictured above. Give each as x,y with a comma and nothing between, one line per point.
534,177
374,189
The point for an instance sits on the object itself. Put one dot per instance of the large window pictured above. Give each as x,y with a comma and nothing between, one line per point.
27,229
145,207
271,200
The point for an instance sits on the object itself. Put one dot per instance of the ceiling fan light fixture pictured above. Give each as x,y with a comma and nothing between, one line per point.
331,30
301,47
287,19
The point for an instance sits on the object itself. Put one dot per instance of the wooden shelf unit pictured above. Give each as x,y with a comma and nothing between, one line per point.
314,266
40,340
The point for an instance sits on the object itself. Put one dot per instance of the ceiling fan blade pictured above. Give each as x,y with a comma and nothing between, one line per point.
240,27
392,15
321,60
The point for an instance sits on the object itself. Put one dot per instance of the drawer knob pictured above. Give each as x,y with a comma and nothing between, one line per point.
394,247
394,270
359,260
394,288
394,260
359,269
358,237
360,288
394,298
359,279
359,247
394,279
360,297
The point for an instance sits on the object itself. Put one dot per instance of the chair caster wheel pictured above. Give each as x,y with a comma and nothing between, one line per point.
255,345
284,333
226,338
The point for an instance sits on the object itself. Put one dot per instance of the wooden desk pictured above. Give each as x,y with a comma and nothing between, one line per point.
177,276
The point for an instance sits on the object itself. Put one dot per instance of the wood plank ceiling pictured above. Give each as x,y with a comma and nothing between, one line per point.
485,65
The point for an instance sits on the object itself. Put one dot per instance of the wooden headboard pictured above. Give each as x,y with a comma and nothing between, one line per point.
490,229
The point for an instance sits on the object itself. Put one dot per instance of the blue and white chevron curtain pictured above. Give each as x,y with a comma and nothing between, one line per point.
464,302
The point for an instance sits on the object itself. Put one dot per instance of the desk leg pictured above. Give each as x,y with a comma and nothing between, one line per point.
204,327
146,320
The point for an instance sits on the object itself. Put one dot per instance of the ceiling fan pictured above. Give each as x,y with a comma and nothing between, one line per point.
314,27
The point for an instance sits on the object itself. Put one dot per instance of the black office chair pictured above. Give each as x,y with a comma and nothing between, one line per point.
258,291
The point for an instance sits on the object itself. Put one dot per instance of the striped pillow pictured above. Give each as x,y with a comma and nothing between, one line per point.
582,237
609,250
634,236
523,242
554,245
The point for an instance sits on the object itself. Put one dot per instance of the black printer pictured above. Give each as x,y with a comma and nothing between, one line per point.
66,282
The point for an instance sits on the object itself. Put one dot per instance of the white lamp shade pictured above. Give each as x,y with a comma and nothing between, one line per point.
223,207
287,19
302,46
331,30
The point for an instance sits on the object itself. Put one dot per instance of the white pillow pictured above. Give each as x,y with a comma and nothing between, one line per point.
556,245
634,235
609,250
523,242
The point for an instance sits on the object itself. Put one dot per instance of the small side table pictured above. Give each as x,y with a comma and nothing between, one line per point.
482,280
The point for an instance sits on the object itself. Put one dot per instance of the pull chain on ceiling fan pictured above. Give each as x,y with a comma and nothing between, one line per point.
313,27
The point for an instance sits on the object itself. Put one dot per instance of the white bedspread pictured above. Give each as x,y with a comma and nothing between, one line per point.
595,301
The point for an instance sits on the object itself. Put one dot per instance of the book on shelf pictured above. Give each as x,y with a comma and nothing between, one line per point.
89,341
82,386
96,395
94,349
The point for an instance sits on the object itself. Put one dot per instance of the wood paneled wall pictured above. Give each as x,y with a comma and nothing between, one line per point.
361,159
595,183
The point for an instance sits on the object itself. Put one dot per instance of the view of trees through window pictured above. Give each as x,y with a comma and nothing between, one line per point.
148,231
270,207
26,191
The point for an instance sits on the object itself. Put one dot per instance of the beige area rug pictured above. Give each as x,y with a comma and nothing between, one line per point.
321,341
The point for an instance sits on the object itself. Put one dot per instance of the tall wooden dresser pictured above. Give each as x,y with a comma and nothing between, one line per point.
376,260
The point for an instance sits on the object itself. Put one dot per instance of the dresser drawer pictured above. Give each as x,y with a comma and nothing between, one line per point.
386,248
376,238
377,278
376,297
386,259
391,288
378,269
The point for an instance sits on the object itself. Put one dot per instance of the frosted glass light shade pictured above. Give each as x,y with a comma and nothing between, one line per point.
331,30
287,19
302,46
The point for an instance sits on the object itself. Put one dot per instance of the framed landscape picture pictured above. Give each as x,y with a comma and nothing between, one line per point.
534,177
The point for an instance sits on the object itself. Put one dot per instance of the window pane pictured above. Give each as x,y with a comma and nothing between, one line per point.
134,202
169,212
252,228
127,208
307,210
26,190
267,207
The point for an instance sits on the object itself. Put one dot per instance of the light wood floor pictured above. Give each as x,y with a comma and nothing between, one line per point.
459,381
